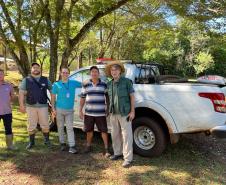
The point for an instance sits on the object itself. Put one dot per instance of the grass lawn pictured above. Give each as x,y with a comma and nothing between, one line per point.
183,163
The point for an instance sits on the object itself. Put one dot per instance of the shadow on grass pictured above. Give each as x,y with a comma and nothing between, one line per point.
52,166
182,163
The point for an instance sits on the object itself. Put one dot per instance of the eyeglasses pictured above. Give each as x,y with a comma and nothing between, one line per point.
65,72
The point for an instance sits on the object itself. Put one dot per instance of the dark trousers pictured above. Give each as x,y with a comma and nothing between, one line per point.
7,121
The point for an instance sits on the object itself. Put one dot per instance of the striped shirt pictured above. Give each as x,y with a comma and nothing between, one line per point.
95,101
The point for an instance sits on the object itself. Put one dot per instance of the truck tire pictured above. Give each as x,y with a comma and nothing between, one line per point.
149,139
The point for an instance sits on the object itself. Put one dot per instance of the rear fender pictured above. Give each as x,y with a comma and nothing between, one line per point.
162,111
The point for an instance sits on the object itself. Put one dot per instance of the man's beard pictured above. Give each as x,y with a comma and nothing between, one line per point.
36,72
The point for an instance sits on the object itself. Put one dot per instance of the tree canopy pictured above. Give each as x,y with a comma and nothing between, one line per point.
186,36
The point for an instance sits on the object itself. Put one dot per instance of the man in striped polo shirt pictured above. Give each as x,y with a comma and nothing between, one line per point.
94,96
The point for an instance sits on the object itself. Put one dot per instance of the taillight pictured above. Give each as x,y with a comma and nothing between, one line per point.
217,99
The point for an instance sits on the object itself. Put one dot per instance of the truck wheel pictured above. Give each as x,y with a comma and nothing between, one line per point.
149,139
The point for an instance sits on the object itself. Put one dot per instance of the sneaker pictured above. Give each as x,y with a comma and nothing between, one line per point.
126,164
63,146
107,153
73,150
116,157
88,149
30,146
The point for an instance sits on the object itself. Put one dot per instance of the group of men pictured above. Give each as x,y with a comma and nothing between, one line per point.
97,101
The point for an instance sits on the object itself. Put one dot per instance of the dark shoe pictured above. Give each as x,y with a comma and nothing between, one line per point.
46,139
63,147
107,154
126,164
31,142
73,150
88,149
116,157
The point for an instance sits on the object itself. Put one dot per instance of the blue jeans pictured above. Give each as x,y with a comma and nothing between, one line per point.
7,121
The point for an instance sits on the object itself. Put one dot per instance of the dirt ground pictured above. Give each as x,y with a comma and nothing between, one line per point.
42,168
209,145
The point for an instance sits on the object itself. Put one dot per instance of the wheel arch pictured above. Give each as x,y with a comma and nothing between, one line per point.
150,113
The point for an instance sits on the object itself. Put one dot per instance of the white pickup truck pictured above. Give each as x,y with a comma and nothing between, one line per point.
166,107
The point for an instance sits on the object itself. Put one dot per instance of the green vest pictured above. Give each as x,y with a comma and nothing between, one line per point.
123,96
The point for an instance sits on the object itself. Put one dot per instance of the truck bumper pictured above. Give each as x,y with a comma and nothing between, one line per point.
219,131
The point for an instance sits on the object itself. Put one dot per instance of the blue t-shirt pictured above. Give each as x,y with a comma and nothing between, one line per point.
65,93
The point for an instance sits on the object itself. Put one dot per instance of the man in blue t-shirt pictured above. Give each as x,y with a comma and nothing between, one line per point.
62,99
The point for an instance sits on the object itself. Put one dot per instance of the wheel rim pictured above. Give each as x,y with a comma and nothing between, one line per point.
144,137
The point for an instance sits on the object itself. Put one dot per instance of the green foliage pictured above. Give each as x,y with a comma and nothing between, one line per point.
219,56
203,61
139,30
187,49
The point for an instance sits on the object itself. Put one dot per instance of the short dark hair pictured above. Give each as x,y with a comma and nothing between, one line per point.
94,67
1,70
64,67
35,63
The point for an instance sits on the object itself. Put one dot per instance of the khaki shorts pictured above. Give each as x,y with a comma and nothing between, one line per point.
37,115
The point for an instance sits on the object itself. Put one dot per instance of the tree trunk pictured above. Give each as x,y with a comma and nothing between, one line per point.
5,61
34,49
24,61
53,62
90,56
30,45
65,56
85,29
80,60
53,30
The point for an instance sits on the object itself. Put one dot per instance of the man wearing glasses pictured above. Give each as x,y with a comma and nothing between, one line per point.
62,99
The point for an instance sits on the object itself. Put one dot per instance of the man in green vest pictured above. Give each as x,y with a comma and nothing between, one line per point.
122,112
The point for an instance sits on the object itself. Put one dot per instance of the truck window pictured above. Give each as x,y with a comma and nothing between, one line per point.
146,74
84,75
